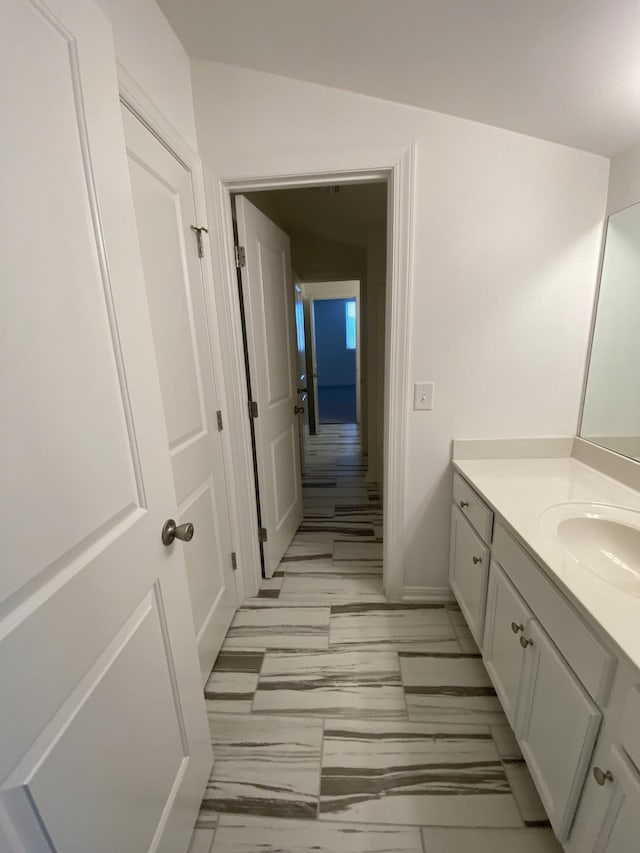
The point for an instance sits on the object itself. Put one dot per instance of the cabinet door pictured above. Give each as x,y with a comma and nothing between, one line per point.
557,724
468,570
506,621
621,827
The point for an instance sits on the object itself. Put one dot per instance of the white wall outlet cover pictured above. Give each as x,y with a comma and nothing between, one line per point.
423,393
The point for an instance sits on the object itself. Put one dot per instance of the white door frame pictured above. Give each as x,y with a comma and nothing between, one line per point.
396,166
136,100
347,289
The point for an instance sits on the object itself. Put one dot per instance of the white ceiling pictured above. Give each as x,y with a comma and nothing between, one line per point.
564,70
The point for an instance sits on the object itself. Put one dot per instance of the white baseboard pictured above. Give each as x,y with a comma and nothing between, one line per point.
431,594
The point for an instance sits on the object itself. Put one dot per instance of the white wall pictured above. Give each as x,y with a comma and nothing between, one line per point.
624,180
150,51
507,233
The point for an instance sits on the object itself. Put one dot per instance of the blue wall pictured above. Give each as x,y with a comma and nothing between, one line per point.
336,365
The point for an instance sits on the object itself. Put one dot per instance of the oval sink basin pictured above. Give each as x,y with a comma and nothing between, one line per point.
603,539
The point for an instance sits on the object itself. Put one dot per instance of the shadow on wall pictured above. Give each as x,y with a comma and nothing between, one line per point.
334,321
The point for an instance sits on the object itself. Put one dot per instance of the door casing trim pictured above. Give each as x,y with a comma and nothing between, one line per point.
396,166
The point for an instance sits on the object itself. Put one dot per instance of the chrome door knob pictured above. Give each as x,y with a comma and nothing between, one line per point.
172,531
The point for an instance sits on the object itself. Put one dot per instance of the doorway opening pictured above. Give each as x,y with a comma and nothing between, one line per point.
312,284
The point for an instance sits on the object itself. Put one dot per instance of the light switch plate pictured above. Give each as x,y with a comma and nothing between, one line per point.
423,395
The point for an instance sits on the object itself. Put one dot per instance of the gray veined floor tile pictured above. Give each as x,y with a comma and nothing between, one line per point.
278,627
201,840
348,684
391,627
357,550
326,587
264,765
411,773
268,835
505,741
490,841
467,643
452,687
326,565
527,797
230,692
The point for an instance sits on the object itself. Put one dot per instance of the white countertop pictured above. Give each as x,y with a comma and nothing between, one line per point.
520,490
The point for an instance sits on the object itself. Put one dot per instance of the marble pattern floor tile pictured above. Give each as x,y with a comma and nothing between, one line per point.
437,840
451,687
391,627
342,683
238,834
344,722
279,627
264,765
505,741
527,797
230,692
409,773
322,586
343,550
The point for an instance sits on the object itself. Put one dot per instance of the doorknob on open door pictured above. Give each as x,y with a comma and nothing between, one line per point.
298,410
172,531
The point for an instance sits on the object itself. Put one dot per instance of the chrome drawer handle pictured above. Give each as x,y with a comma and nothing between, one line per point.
476,560
463,504
515,627
524,642
602,776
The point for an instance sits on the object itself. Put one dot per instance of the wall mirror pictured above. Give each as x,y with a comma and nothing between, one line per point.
611,406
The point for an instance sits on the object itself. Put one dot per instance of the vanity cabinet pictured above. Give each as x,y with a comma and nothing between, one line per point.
555,721
557,725
507,618
471,527
620,830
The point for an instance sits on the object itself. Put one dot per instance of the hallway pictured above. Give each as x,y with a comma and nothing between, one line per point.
343,722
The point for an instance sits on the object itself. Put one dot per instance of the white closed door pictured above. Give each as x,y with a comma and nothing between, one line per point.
271,344
104,744
165,213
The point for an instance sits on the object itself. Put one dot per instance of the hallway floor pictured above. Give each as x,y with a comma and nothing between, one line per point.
343,722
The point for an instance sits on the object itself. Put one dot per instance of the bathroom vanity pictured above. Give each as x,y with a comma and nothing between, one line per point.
561,643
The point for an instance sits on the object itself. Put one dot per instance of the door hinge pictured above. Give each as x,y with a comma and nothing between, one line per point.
219,419
262,535
198,232
234,561
253,409
241,256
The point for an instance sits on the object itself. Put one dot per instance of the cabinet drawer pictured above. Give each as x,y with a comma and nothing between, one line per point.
591,662
473,507
468,572
630,727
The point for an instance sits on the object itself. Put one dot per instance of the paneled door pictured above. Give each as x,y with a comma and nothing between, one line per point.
165,213
301,375
271,344
104,743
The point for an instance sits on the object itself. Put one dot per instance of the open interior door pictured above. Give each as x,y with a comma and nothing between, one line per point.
301,376
165,213
104,742
268,299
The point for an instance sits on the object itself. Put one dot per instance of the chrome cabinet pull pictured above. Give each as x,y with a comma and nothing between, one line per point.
463,504
515,627
171,531
602,776
476,560
524,642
